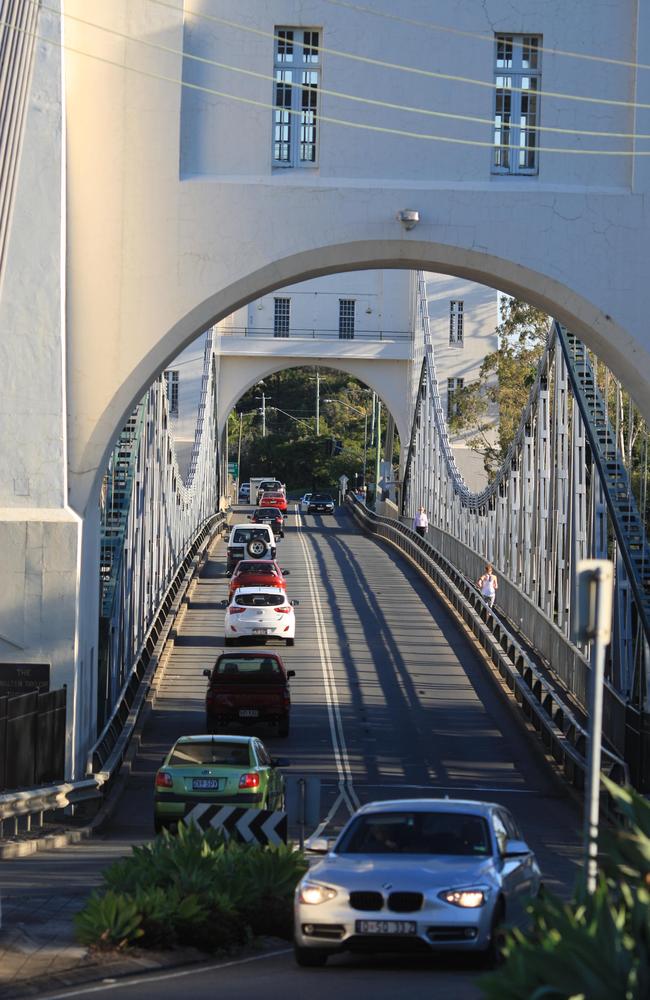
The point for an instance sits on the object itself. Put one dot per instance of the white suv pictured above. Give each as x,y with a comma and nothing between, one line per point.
255,541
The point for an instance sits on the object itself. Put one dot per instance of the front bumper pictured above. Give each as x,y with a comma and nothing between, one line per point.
320,509
439,927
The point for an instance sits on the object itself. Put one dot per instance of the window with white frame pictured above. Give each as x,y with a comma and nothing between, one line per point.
281,317
346,319
516,111
297,81
456,322
453,406
171,385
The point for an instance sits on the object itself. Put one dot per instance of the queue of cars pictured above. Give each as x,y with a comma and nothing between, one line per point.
403,875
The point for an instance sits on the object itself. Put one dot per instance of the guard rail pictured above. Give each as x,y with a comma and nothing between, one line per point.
106,757
562,734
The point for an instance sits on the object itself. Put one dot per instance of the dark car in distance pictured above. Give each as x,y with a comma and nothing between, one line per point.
320,503
269,515
249,689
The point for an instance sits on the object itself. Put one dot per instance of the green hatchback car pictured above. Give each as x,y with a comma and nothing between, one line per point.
219,770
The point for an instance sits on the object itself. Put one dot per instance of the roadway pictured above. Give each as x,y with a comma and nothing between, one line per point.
390,699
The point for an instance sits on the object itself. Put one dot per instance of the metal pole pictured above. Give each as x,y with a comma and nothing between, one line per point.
303,819
241,419
378,453
263,415
317,403
600,579
365,444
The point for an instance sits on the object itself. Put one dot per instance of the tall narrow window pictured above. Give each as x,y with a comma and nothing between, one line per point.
346,319
453,406
297,81
281,317
171,384
456,322
518,80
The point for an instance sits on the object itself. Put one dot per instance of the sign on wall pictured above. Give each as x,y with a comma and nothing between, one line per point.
21,678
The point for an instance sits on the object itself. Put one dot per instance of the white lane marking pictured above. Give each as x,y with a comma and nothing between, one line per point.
347,794
142,979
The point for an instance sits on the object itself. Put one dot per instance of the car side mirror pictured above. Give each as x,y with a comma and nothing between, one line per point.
294,604
286,572
291,673
318,845
207,673
280,762
515,849
223,604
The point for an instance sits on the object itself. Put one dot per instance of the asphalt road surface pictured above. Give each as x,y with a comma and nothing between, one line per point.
390,699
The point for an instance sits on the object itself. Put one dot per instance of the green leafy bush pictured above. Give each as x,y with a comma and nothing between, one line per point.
109,921
195,888
595,947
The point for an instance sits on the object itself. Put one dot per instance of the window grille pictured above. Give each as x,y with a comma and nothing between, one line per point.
171,385
453,407
297,82
281,317
516,112
346,319
456,322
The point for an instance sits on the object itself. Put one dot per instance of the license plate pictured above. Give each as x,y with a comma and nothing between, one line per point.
261,631
205,783
386,927
248,713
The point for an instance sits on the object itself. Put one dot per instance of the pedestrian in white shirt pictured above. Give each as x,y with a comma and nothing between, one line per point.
488,585
421,522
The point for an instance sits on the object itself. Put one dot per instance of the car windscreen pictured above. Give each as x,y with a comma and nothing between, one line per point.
187,754
263,569
243,535
259,600
321,498
447,833
249,670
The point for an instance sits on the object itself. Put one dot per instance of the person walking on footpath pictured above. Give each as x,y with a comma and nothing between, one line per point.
421,522
488,585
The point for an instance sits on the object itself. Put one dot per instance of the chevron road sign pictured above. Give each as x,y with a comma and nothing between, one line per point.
251,826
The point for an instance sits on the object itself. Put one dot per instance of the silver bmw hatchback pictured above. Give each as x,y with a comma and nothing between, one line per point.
415,875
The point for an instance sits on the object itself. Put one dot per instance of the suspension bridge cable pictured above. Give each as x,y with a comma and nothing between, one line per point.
482,37
384,64
264,105
371,102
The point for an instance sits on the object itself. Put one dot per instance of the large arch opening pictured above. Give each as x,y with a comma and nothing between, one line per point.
613,344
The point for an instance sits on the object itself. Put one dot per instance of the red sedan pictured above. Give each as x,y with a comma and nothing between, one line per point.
274,500
256,573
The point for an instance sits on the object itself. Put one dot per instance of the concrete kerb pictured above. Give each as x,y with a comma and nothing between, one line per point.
142,707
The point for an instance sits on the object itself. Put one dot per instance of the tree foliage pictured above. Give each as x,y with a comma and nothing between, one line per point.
503,384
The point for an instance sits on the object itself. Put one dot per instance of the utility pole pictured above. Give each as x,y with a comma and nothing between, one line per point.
317,403
241,418
378,455
365,444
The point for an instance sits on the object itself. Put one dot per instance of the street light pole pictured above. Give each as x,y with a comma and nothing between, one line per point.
317,403
378,455
241,418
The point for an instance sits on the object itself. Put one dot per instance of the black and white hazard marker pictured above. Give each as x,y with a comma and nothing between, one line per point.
250,826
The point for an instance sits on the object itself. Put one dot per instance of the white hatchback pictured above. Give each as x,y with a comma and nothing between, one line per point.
304,503
260,613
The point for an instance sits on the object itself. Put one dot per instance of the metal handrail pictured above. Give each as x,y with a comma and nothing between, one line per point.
315,333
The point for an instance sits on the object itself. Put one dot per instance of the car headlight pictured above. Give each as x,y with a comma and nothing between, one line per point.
313,893
468,899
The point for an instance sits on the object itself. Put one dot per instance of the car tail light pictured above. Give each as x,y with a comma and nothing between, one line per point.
164,780
249,780
234,610
283,611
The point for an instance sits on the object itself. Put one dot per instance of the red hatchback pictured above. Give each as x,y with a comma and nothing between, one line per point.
274,500
256,573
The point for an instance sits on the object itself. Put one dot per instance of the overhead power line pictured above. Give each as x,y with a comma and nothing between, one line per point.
482,37
363,126
430,73
371,102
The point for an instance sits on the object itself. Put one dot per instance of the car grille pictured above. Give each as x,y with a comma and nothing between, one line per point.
451,933
405,902
366,900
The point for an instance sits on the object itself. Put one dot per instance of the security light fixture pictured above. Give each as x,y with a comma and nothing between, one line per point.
409,217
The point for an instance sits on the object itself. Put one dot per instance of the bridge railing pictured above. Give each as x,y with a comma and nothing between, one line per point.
557,725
